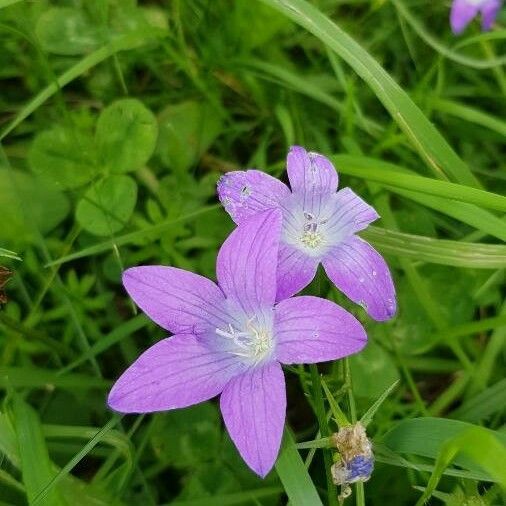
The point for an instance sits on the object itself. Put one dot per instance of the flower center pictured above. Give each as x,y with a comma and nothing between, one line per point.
255,343
312,236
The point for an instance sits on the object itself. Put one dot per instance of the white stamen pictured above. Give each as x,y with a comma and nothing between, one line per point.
254,343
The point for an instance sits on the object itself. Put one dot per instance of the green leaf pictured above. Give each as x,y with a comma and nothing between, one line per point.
294,476
126,135
63,156
372,361
478,444
122,43
107,205
9,254
186,131
67,31
426,437
431,145
369,414
437,251
480,407
36,377
35,464
48,206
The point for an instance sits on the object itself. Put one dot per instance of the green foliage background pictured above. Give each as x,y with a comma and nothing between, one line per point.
117,118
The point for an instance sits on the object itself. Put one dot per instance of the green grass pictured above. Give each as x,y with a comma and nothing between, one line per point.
116,121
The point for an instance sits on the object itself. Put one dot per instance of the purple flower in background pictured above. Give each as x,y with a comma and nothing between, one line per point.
463,11
231,338
319,225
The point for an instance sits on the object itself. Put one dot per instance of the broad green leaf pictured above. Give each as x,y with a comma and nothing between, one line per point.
372,361
35,464
122,43
431,145
426,437
188,437
294,476
126,135
186,131
63,156
107,205
20,191
478,444
67,31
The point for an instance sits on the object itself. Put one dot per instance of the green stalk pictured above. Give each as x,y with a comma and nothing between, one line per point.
324,431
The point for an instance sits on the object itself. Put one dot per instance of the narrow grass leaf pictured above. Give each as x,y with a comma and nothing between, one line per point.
34,377
369,414
294,476
490,401
35,464
438,251
439,156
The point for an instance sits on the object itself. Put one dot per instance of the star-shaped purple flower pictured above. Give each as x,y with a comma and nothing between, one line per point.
231,338
463,11
319,225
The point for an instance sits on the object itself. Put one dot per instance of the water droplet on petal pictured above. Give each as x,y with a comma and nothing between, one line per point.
374,273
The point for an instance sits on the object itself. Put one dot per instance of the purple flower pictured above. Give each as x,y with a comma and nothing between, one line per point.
231,338
463,11
319,225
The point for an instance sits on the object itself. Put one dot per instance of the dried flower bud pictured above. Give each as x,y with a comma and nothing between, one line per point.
355,449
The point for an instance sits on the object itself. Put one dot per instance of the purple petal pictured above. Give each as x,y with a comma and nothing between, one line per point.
246,193
246,264
360,272
310,173
178,300
351,214
489,12
461,14
174,373
311,329
295,271
254,408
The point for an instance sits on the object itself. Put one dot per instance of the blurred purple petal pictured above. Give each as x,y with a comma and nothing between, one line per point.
351,214
362,274
311,329
295,271
310,174
174,373
489,11
254,407
462,12
178,300
246,193
246,264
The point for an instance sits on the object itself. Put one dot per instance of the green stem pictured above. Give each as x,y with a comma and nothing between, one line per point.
359,486
324,430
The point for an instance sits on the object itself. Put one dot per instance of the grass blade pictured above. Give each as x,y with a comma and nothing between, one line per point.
35,464
294,476
433,148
